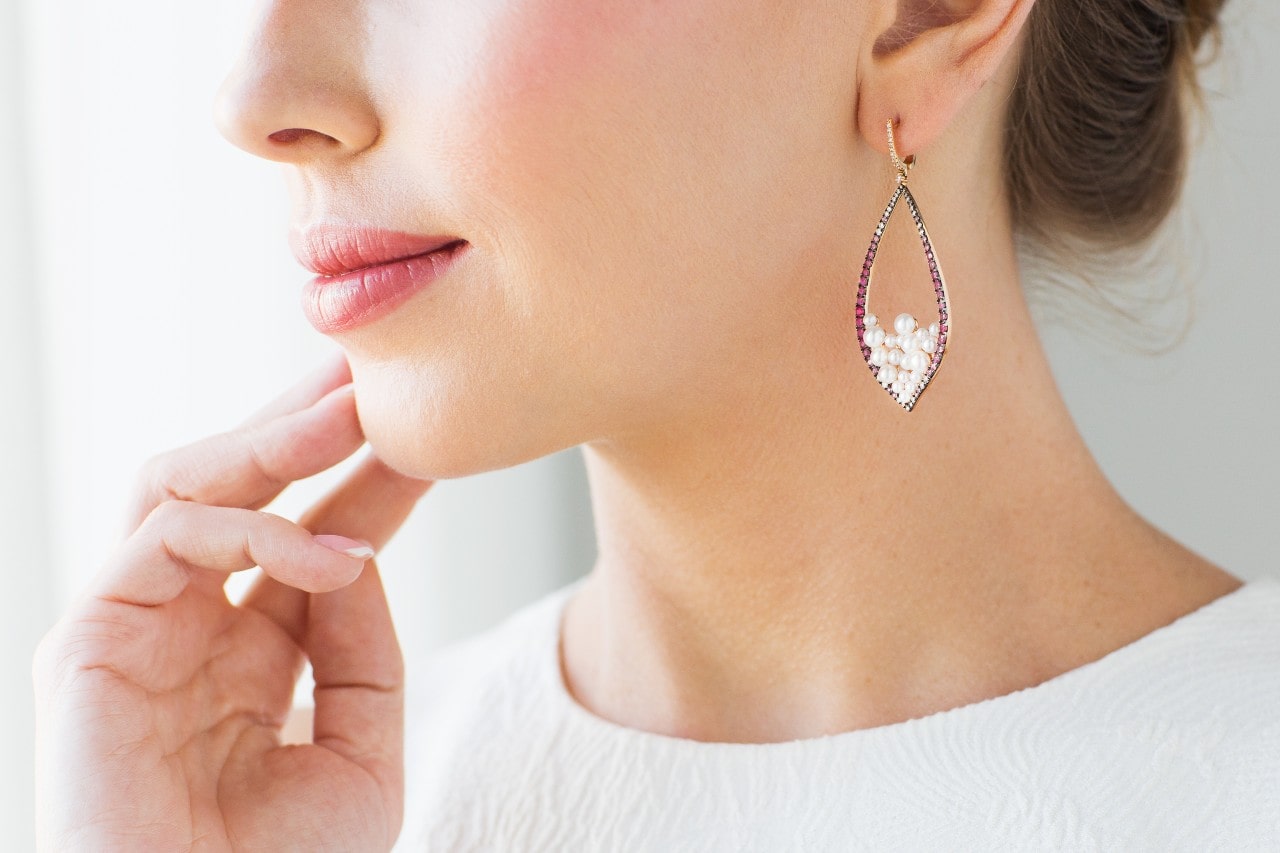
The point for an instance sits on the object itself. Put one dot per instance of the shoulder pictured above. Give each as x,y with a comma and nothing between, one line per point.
1181,728
1217,666
1229,649
1170,742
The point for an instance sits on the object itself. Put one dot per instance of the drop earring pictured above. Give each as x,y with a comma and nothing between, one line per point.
905,357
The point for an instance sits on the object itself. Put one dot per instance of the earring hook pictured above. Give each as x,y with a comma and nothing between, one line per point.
903,166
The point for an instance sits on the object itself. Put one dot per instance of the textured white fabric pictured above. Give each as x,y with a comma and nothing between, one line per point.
1169,743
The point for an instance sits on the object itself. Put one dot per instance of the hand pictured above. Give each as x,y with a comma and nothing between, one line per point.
160,703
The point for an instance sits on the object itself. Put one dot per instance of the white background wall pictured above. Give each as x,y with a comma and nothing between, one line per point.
149,299
27,599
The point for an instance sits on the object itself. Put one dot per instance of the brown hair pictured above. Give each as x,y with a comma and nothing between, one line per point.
1097,136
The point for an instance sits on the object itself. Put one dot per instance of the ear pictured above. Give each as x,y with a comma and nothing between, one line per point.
926,59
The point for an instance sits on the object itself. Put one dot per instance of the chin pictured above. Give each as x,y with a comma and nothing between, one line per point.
431,435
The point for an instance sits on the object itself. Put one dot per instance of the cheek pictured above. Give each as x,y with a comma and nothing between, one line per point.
619,155
570,142
633,176
559,102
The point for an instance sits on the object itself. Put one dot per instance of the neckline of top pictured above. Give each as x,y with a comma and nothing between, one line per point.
551,673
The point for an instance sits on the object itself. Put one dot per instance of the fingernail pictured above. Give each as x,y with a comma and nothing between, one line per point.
350,547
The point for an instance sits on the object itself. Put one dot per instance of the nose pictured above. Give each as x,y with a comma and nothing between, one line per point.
296,93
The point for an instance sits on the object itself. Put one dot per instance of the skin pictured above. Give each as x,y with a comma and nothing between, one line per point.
667,205
160,704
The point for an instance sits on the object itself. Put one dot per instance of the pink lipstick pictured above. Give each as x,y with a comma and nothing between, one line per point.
365,273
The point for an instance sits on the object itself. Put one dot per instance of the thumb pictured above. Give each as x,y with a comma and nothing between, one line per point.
359,684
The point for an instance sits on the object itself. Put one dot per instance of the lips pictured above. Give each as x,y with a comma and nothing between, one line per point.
366,273
334,249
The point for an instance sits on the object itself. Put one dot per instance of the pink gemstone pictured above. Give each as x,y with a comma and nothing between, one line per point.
860,311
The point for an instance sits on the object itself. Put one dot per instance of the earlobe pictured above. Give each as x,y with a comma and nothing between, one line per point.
927,65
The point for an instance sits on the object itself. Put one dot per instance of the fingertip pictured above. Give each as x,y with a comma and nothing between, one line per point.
333,368
338,360
342,392
333,578
338,562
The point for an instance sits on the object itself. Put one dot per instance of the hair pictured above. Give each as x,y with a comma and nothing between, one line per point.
1097,133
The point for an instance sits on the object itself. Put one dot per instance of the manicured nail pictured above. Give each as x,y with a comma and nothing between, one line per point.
350,547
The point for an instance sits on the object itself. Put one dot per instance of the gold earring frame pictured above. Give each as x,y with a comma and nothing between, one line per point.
908,343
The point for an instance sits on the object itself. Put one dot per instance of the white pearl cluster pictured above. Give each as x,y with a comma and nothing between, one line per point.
902,357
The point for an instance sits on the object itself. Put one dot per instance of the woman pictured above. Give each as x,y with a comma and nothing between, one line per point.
835,605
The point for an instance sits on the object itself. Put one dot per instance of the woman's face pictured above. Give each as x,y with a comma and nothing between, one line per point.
655,194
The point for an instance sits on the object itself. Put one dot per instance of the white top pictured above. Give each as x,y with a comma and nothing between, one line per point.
1171,742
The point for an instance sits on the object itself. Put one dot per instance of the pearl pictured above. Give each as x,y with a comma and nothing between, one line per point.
916,362
874,337
904,324
879,355
933,329
869,320
929,345
899,386
909,343
895,356
888,374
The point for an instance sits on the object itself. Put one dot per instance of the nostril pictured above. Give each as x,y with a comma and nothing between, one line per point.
287,135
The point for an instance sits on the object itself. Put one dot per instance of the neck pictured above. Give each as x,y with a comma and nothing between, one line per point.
791,553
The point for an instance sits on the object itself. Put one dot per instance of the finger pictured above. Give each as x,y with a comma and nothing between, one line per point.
282,604
185,542
249,467
370,503
332,373
359,682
